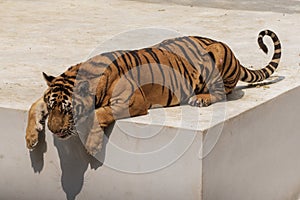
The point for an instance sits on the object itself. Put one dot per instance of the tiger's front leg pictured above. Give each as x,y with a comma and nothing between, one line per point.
102,118
36,122
120,107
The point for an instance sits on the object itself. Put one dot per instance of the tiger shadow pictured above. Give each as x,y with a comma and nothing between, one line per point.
74,161
238,92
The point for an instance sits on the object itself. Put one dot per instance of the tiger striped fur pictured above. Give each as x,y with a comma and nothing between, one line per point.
187,70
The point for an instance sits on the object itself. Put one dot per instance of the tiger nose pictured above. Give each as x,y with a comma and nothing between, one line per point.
55,122
54,125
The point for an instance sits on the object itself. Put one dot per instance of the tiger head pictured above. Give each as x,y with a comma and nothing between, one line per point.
68,102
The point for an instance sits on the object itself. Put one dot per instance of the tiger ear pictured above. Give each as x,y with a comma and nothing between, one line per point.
48,79
83,88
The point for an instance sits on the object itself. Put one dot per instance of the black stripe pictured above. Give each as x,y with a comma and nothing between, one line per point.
229,83
192,42
132,90
113,59
65,90
137,65
150,68
136,58
225,55
155,57
201,79
104,90
172,68
142,92
138,75
85,73
266,73
174,74
185,41
98,64
69,81
64,75
172,82
58,86
184,75
169,98
184,96
72,77
228,66
166,42
259,75
208,74
234,71
118,64
127,56
66,79
233,79
206,41
178,66
165,46
278,46
276,56
187,75
275,64
127,65
186,56
69,77
249,73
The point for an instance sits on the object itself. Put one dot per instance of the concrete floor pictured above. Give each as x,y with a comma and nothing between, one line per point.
51,35
290,6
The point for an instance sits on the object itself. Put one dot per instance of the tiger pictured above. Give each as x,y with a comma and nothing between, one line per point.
91,95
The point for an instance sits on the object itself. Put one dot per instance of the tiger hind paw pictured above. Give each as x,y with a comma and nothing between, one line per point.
200,100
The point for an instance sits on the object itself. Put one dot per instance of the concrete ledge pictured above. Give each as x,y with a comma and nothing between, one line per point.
254,157
245,148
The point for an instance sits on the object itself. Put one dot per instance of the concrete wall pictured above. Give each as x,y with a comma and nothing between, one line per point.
63,170
257,155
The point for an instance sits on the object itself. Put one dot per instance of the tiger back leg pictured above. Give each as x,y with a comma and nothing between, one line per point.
127,100
36,122
215,89
226,65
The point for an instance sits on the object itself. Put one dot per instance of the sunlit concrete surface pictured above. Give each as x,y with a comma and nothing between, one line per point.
245,148
291,6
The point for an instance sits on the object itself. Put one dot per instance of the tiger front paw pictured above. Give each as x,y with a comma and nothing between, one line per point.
34,127
31,138
94,141
93,148
36,123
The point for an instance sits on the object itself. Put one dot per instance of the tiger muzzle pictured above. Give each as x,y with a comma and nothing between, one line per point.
58,123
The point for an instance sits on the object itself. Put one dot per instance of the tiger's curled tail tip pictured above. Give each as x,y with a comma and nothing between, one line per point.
264,48
261,36
252,76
